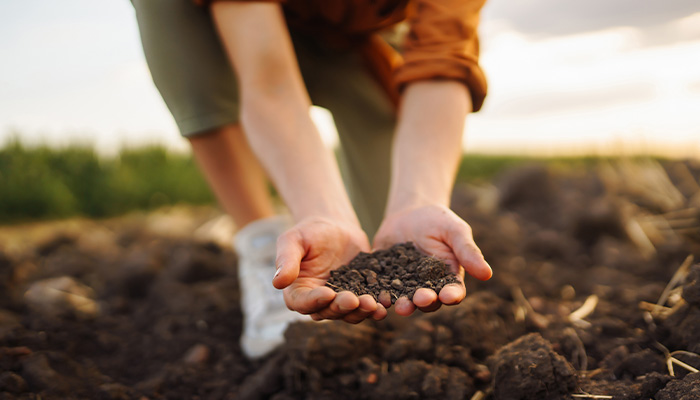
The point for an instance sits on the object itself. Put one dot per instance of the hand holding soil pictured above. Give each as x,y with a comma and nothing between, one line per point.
437,231
393,275
305,256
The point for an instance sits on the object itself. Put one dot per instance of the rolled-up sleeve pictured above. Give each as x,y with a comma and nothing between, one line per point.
443,44
205,3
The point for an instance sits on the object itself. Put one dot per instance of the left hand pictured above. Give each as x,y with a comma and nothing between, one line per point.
305,256
436,231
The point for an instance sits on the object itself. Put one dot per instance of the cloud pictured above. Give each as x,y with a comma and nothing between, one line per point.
544,18
603,91
561,101
694,87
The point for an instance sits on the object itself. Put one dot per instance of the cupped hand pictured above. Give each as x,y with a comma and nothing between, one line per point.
435,231
305,256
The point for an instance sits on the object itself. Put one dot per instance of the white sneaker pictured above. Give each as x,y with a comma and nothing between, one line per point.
265,315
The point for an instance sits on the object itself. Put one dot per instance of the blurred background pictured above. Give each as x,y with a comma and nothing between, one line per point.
580,180
596,78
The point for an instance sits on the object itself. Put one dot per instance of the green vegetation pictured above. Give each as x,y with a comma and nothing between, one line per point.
481,168
42,182
46,183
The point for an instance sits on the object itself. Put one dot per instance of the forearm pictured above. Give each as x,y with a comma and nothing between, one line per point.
428,144
288,144
275,111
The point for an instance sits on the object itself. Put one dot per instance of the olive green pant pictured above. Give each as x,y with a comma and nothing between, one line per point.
190,69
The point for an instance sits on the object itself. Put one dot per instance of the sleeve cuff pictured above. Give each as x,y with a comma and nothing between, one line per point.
206,3
466,71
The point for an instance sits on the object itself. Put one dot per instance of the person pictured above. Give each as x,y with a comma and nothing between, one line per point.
239,79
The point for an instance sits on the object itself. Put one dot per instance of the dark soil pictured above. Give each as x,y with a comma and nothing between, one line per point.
392,273
686,389
529,369
691,289
157,316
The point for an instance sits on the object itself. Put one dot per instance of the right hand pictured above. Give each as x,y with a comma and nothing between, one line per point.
436,231
305,256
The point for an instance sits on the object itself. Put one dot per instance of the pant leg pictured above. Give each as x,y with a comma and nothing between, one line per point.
364,117
188,64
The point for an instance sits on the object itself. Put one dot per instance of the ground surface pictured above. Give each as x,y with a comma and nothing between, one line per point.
128,308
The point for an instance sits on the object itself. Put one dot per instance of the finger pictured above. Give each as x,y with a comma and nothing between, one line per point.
355,317
404,306
424,297
316,317
452,293
469,255
344,303
431,308
385,299
324,314
380,314
306,300
366,308
290,252
323,296
367,304
426,300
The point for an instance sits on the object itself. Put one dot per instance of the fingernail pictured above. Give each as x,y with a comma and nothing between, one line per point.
368,310
277,273
490,270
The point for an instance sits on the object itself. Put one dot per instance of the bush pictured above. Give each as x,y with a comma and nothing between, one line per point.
41,182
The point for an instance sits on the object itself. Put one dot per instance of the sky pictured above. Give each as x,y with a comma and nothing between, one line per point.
595,77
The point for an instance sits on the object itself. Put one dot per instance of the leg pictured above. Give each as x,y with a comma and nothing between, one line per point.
193,75
365,119
234,174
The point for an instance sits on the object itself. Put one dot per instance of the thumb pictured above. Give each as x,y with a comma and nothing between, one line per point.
290,252
382,240
469,255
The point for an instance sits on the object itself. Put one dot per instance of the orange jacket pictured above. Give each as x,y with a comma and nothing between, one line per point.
442,42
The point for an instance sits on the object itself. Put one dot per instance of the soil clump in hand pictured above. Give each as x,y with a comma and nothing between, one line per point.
395,272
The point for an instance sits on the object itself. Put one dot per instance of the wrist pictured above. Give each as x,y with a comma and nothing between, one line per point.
301,167
340,215
350,229
411,199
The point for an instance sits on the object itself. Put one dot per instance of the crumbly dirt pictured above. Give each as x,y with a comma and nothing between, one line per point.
681,327
686,389
529,369
691,288
396,272
644,387
147,314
